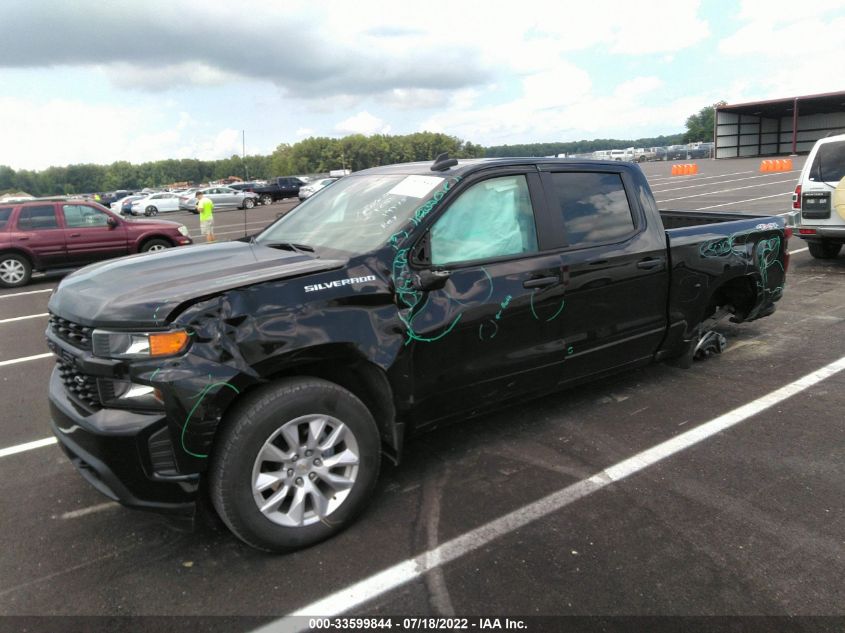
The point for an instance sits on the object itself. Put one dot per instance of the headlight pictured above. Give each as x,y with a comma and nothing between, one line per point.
139,344
183,230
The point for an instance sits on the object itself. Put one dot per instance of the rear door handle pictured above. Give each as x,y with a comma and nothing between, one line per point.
541,282
649,264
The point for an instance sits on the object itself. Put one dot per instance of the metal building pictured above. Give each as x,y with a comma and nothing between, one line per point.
777,126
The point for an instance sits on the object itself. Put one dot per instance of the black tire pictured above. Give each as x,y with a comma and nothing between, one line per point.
249,203
266,199
155,245
255,420
824,250
150,210
15,270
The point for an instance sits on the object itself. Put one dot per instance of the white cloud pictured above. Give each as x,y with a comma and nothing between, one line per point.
362,123
37,135
799,51
304,132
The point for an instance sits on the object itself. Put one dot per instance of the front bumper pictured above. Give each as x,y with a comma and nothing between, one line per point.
123,454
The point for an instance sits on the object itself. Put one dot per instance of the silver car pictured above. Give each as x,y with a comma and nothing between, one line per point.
224,198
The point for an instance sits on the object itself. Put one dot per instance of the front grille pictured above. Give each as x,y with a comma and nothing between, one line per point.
79,386
75,334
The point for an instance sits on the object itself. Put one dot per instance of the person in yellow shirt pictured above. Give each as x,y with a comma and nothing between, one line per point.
205,206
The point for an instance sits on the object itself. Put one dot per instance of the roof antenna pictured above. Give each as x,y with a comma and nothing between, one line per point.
443,162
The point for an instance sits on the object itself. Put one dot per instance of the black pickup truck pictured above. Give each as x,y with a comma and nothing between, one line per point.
278,189
271,375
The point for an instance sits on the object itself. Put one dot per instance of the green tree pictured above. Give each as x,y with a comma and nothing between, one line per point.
700,125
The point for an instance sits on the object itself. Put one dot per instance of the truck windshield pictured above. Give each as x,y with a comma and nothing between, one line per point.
355,215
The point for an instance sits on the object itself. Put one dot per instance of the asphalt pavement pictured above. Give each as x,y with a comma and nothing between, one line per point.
749,520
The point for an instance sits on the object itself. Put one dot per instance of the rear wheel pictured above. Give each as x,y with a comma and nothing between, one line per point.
155,245
266,199
151,210
824,250
249,203
15,270
295,464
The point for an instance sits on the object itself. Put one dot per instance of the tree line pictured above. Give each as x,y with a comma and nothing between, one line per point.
310,156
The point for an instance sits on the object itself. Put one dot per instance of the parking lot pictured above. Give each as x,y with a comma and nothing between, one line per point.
749,520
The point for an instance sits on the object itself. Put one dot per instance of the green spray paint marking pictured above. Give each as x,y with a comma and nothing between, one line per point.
570,350
402,280
203,394
551,318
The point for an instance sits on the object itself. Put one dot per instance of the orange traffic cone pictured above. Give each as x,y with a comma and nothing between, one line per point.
695,168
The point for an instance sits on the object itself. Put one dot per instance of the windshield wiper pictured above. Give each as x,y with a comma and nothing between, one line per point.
289,246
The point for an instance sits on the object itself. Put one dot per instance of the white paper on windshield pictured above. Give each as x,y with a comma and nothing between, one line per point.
416,186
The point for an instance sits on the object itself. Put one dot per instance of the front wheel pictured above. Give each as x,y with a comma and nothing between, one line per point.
824,250
249,203
15,270
296,462
266,199
155,245
150,210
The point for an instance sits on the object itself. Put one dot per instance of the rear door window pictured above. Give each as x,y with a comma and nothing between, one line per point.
829,163
38,218
5,213
593,205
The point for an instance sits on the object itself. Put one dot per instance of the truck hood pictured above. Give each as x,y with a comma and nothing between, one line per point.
142,290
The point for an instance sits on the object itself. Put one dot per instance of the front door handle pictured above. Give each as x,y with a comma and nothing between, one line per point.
75,234
541,282
649,264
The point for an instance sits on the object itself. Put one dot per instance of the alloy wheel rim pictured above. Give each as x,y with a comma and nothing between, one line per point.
156,247
305,470
11,271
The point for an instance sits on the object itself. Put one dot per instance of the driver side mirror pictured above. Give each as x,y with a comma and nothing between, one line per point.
112,223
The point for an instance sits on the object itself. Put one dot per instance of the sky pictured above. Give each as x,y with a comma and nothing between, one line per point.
89,81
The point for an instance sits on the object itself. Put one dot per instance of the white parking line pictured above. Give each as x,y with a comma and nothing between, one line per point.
713,193
727,204
23,318
75,514
24,359
721,182
400,574
679,178
28,292
800,250
20,448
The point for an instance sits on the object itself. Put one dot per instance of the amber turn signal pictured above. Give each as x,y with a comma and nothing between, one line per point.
168,343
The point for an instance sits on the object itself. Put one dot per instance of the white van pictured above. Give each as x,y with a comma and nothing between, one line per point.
819,198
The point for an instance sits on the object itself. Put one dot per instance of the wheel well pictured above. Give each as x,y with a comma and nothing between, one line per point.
149,239
14,251
367,382
737,296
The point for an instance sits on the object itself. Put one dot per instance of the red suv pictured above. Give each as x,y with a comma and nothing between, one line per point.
44,235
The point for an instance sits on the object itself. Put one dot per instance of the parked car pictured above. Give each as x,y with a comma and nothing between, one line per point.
314,186
223,198
42,235
677,152
124,205
819,198
700,150
279,189
273,373
155,203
